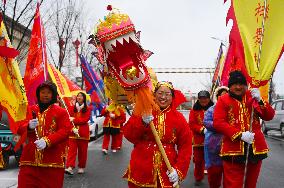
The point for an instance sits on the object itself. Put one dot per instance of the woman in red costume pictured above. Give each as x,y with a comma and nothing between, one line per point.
47,128
147,168
114,118
78,141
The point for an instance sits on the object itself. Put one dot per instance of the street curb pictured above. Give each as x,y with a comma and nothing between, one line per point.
274,138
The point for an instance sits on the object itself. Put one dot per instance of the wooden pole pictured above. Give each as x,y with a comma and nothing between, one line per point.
161,148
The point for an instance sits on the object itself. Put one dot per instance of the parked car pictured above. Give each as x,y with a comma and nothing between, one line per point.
8,141
96,128
277,123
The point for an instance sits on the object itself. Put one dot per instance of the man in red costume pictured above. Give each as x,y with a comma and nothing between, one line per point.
47,128
114,118
147,167
196,117
232,118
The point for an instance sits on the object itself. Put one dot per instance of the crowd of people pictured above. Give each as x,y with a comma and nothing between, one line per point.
225,138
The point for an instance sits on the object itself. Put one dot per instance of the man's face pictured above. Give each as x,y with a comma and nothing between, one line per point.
238,89
204,101
45,95
164,97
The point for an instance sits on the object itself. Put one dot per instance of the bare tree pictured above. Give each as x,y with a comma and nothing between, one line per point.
17,17
61,26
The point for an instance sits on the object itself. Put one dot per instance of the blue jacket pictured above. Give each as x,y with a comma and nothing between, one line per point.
212,142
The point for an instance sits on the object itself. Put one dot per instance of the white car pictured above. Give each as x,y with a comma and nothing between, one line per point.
96,128
277,123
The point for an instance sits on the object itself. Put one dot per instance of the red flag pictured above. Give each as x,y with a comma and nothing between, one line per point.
232,62
36,68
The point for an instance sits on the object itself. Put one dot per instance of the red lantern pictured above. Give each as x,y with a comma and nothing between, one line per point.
76,44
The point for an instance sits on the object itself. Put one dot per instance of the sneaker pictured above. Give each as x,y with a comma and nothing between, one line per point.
198,183
205,172
114,151
81,171
69,171
104,151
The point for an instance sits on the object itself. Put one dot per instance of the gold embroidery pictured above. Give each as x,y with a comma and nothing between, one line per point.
161,125
199,119
236,135
46,139
1,160
53,126
231,117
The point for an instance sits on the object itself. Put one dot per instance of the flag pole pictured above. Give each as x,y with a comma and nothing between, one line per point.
258,66
42,46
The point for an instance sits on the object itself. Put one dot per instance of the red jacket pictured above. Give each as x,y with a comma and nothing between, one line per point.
54,126
196,125
115,122
146,163
232,117
81,123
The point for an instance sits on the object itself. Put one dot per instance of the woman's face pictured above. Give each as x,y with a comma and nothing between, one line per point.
45,95
80,98
163,97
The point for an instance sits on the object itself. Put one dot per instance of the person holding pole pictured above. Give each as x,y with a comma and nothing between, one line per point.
114,119
78,140
196,124
47,127
240,127
147,167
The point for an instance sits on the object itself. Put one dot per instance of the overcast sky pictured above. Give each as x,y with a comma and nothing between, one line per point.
179,32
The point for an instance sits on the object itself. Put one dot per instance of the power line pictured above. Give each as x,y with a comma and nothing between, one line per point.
184,70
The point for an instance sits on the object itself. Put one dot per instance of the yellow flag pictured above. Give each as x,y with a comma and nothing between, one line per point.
12,91
60,81
63,84
249,17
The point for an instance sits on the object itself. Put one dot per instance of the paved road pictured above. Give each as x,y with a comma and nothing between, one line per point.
106,171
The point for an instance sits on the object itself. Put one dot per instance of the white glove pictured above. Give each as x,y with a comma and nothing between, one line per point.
33,123
204,130
112,115
75,131
255,93
40,144
247,137
173,177
147,119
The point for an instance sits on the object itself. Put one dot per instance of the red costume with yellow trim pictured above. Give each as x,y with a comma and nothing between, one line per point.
196,117
54,126
231,118
79,143
1,158
146,166
111,126
1,155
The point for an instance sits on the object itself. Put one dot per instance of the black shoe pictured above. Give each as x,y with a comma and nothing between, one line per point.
198,183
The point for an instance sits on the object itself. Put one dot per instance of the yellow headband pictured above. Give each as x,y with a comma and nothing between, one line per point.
163,83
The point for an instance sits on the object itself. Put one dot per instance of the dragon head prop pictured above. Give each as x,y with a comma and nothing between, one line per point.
123,54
